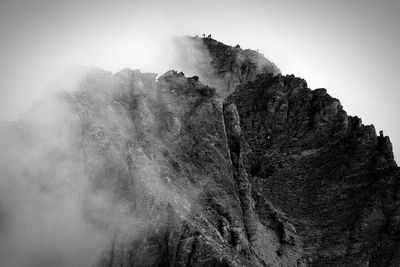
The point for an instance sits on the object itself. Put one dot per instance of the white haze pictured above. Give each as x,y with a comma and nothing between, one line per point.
45,191
45,194
348,47
50,213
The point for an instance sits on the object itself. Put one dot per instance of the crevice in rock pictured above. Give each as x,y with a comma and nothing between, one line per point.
233,132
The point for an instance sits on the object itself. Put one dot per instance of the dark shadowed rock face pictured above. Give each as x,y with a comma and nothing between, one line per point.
331,176
274,175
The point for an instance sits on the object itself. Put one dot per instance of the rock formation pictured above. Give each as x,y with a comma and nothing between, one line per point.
261,171
221,66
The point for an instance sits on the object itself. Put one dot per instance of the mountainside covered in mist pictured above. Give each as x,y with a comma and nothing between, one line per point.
237,166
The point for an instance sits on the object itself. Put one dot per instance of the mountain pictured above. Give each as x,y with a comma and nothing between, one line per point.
237,166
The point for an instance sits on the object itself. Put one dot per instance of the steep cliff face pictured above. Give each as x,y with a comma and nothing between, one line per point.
333,178
171,166
168,171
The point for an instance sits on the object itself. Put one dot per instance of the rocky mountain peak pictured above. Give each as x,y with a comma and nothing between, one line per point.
236,166
219,65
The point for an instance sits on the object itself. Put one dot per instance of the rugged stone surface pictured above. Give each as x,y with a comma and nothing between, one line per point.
177,163
275,174
332,177
221,66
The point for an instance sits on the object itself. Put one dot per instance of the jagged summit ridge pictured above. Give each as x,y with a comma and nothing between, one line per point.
219,65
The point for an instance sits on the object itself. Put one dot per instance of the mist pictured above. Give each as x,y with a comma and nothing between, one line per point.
60,203
43,39
76,178
85,168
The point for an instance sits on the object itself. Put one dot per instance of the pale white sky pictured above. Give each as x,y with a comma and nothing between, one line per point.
349,47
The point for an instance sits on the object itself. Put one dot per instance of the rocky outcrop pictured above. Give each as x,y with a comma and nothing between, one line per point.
178,166
330,175
261,171
221,66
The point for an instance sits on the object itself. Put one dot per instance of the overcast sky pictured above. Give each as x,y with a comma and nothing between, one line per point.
349,47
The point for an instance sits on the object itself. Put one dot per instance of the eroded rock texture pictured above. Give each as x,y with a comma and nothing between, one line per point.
221,66
331,177
275,174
